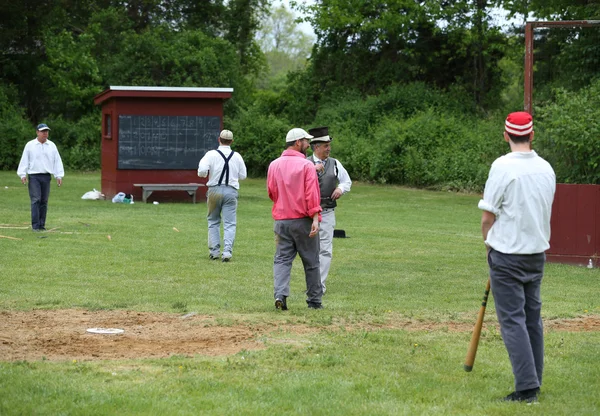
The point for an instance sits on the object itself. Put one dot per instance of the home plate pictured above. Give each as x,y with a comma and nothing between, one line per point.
109,331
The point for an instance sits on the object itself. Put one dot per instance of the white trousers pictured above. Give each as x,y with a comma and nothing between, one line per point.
326,242
221,202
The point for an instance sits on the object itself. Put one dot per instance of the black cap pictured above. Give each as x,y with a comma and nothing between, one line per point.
321,134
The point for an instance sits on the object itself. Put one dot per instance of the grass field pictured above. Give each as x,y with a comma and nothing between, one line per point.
403,294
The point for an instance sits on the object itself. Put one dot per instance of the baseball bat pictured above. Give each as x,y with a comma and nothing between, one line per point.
470,359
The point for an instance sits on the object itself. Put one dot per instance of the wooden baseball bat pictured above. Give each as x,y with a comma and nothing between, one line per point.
477,331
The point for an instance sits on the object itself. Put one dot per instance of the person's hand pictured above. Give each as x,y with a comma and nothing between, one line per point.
314,228
336,194
24,180
320,167
59,181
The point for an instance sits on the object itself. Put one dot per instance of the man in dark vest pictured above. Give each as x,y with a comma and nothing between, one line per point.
224,168
334,182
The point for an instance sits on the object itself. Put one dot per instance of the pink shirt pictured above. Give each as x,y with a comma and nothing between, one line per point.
293,187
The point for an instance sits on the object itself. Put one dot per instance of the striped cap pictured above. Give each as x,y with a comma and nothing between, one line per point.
519,123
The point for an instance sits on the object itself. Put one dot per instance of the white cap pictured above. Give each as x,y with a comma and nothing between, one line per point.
297,134
226,134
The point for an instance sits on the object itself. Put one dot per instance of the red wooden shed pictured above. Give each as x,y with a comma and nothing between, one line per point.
157,135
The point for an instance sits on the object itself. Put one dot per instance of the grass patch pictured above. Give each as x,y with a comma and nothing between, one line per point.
410,254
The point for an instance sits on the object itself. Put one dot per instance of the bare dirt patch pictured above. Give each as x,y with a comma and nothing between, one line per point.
61,334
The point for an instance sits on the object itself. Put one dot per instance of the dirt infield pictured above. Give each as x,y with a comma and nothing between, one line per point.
61,334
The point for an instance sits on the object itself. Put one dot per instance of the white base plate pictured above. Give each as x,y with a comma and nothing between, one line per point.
105,330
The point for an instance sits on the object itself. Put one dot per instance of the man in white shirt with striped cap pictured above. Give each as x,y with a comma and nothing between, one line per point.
517,204
40,159
224,168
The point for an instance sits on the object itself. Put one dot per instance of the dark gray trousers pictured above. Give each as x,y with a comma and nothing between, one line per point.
291,238
39,191
516,282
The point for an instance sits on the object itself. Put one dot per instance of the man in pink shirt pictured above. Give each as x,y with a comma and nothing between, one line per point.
294,189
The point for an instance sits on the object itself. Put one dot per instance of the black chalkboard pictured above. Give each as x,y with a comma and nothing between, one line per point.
165,142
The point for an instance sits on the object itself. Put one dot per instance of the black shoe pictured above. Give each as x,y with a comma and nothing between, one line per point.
226,259
528,396
211,257
281,303
314,305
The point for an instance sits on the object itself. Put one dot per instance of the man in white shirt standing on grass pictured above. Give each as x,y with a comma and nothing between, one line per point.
224,168
334,182
40,159
515,223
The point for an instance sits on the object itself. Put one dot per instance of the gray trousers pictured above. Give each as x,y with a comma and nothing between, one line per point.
222,202
326,243
516,281
291,238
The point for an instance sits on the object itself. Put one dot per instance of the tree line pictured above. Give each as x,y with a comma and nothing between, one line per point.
414,93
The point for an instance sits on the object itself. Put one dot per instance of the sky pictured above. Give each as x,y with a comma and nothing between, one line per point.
305,27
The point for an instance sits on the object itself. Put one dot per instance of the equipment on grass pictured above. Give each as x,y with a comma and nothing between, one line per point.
339,234
470,359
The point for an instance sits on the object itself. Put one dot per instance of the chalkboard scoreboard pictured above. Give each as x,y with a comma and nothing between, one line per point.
165,142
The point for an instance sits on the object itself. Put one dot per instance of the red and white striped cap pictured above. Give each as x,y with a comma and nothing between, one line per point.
519,123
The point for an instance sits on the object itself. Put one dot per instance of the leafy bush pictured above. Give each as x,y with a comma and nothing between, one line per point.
259,138
15,130
78,142
568,134
413,135
429,149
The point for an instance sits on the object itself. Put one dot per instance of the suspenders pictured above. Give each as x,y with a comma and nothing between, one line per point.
225,171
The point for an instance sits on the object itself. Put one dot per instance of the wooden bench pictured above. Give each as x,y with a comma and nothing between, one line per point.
148,188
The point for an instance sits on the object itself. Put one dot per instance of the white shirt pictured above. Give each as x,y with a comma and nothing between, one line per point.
519,192
213,163
40,158
344,181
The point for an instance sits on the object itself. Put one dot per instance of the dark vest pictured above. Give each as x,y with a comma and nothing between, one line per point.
328,181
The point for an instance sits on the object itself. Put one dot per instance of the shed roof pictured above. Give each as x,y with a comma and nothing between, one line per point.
162,92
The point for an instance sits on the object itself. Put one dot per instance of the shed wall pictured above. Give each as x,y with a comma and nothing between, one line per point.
575,225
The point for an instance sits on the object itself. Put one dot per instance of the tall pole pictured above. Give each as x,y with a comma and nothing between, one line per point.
529,26
528,67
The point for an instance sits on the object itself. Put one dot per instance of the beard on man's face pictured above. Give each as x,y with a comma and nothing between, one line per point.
303,148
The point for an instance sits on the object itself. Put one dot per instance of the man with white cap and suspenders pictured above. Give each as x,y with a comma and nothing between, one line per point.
334,182
515,223
224,168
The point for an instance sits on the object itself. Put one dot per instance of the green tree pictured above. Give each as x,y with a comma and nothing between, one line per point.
370,45
564,57
285,46
70,73
242,21
569,134
163,57
15,130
